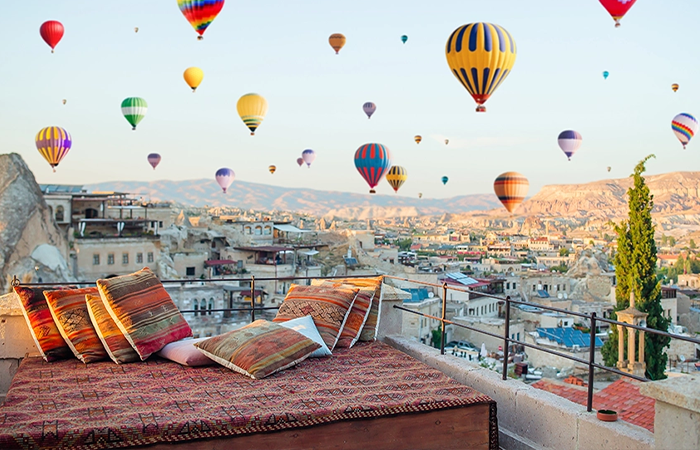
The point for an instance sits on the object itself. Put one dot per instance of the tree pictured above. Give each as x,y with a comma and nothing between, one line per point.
664,240
671,241
635,269
405,244
563,251
692,244
436,337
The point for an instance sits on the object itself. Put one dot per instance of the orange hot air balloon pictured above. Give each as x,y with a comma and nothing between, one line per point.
337,41
511,189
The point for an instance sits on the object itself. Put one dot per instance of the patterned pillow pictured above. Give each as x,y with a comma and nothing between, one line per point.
185,353
114,342
306,326
143,311
369,330
259,349
328,306
358,313
41,325
70,313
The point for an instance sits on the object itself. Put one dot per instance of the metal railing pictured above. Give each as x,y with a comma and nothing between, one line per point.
507,340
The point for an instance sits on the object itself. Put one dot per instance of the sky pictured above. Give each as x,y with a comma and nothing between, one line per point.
280,50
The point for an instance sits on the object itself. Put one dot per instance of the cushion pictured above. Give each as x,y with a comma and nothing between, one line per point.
358,314
328,306
185,353
143,311
258,349
70,313
369,330
41,324
114,342
306,326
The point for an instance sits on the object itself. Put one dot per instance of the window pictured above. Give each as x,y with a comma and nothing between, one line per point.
211,306
258,230
247,230
96,259
507,285
534,288
514,285
268,230
203,307
150,257
125,258
196,306
59,213
139,258
153,224
190,273
110,259
160,223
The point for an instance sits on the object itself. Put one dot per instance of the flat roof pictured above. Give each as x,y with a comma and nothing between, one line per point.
265,248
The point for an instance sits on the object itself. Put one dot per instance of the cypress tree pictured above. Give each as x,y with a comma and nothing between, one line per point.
635,270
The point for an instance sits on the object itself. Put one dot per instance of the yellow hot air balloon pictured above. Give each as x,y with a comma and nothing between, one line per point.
272,169
417,138
337,41
396,176
511,189
675,87
480,55
252,109
193,76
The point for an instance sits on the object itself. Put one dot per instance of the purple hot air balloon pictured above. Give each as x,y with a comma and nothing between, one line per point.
373,162
154,160
369,108
225,177
300,161
308,156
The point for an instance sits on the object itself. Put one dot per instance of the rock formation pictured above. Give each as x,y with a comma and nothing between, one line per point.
30,241
591,282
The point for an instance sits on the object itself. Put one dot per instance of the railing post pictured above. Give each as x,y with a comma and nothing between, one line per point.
506,339
252,298
442,322
591,361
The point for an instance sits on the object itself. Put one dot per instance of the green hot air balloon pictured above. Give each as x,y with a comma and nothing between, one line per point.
134,110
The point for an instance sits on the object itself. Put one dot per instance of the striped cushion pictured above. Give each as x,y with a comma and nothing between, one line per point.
70,312
143,311
259,349
358,313
369,330
328,306
41,325
114,342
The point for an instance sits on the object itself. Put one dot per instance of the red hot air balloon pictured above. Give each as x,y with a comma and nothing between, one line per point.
154,160
617,8
51,32
300,161
373,162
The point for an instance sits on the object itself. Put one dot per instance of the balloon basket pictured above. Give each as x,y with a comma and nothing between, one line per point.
481,108
199,38
133,128
372,191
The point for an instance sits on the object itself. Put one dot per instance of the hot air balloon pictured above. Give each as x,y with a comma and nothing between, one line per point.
225,177
200,13
480,55
609,168
684,126
605,74
675,87
272,169
511,189
53,143
396,176
569,142
447,141
337,41
417,138
136,29
372,161
134,110
369,108
308,156
51,32
252,109
404,38
420,195
617,8
445,180
64,101
300,161
193,76
154,160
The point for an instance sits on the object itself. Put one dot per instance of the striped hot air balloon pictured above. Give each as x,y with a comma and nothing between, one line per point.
53,143
417,138
480,55
272,168
372,161
337,41
511,189
134,110
569,142
396,176
675,87
684,126
200,13
154,160
252,109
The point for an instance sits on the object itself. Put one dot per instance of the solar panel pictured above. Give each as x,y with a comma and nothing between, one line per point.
351,261
598,342
568,342
461,278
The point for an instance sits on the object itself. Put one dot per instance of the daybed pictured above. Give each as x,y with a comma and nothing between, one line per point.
371,396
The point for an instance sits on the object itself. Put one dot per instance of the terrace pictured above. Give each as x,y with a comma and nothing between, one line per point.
529,416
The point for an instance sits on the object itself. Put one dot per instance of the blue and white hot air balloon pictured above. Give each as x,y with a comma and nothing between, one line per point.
569,142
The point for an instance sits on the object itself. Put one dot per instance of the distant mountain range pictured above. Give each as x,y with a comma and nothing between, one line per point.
264,197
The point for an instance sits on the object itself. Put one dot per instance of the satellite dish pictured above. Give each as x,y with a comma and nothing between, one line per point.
560,295
431,295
